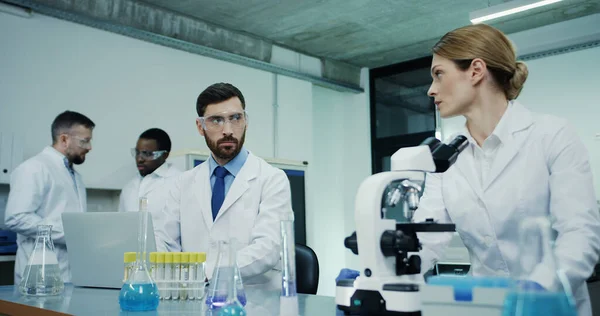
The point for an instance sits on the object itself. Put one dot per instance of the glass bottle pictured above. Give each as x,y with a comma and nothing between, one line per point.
42,275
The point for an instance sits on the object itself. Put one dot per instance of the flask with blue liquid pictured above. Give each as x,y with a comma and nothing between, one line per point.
540,288
140,293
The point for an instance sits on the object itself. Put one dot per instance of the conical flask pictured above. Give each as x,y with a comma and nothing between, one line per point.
540,287
225,272
42,275
140,293
232,307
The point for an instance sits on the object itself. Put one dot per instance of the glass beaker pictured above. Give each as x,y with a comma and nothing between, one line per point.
225,272
42,275
140,293
540,287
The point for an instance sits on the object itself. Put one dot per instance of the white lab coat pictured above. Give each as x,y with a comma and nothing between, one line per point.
41,189
542,168
258,198
155,187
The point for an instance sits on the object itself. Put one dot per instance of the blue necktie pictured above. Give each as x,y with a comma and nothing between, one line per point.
71,172
218,191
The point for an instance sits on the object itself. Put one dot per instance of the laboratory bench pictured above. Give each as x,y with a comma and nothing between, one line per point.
96,302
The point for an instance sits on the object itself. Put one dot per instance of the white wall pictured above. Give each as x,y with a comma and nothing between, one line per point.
126,86
341,155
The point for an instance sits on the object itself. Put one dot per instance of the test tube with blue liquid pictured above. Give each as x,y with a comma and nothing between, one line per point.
140,293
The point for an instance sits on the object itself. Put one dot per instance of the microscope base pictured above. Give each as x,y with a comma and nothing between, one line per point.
367,302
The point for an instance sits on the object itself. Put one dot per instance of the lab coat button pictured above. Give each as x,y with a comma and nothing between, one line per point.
489,241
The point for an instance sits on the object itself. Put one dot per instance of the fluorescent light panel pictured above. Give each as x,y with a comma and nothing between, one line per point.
507,8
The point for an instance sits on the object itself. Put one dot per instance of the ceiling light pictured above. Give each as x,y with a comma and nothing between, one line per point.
507,8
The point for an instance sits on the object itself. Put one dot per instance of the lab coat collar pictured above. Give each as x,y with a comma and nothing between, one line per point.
518,121
234,166
162,171
240,185
515,120
56,155
58,158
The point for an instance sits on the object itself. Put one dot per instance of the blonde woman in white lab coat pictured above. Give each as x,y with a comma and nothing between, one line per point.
45,186
518,164
232,195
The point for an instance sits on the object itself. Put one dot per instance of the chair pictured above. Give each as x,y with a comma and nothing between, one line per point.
307,270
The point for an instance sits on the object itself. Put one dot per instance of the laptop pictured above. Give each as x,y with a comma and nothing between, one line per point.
97,241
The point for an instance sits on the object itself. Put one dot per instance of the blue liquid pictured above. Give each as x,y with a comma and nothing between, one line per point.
139,297
538,304
232,310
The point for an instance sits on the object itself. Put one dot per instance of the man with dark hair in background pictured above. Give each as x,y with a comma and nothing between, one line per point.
45,186
234,195
150,154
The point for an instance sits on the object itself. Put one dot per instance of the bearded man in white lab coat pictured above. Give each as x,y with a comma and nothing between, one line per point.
233,195
45,186
150,153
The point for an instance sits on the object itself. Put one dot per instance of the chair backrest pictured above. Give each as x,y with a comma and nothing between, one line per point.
307,270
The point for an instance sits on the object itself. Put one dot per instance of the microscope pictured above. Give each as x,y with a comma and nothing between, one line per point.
389,250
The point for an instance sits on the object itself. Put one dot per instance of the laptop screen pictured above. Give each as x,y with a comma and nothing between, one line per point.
96,243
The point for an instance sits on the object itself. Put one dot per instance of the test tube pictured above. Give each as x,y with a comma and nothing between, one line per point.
176,275
191,281
200,276
168,275
153,269
185,275
288,302
160,274
129,264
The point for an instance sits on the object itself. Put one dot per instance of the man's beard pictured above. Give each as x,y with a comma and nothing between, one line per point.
225,153
75,158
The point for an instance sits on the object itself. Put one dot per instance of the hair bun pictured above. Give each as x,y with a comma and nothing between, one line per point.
515,85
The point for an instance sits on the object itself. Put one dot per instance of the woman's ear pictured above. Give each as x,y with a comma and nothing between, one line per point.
477,70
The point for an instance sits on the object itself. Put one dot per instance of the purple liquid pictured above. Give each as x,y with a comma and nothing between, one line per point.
216,302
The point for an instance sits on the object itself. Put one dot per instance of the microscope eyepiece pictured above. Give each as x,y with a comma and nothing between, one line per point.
459,143
444,155
432,142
